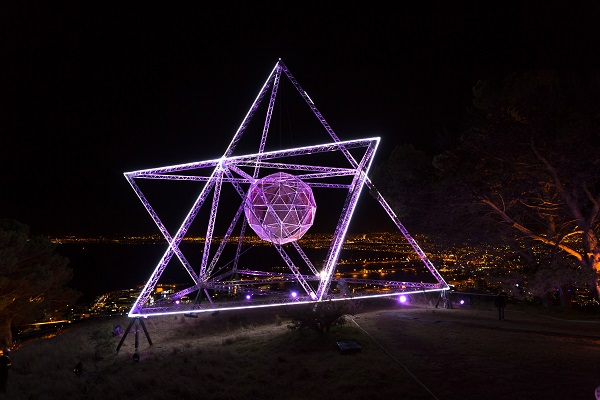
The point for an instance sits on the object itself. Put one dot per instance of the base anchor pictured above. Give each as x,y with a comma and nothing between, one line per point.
444,299
138,321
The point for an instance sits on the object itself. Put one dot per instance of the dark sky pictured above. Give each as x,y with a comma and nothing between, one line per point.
89,90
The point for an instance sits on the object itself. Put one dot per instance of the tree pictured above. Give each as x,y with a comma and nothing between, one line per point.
527,170
405,179
32,278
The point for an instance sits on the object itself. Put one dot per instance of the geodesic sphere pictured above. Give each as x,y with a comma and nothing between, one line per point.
280,208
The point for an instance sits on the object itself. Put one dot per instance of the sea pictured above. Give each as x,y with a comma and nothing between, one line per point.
101,268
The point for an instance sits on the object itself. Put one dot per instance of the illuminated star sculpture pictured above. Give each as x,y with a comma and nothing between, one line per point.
276,193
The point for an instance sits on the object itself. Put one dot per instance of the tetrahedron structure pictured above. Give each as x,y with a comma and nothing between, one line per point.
268,199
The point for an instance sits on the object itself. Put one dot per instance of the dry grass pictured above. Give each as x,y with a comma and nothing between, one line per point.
415,352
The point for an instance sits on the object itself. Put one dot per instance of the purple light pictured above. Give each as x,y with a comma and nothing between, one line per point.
462,302
248,296
402,299
294,294
280,208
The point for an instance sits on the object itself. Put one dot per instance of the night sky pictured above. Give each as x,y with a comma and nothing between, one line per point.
90,90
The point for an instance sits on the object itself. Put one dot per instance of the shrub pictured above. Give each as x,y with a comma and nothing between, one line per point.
103,339
321,316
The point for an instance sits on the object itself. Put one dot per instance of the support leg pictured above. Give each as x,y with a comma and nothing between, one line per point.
137,329
137,321
146,332
125,334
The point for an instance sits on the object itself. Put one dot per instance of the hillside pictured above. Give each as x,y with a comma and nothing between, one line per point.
406,352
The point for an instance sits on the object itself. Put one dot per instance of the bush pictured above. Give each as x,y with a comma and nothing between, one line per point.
103,339
321,316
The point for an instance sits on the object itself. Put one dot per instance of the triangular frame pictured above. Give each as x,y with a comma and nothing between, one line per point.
230,169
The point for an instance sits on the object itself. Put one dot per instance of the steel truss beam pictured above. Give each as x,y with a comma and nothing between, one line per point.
239,172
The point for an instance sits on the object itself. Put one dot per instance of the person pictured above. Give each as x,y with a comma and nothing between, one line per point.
5,365
500,303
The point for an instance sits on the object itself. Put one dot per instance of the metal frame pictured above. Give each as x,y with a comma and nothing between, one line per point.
237,173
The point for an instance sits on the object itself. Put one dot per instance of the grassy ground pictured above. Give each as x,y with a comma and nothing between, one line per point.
406,352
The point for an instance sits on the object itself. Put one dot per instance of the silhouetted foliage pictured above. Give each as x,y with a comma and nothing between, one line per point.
405,180
103,339
522,179
526,173
32,278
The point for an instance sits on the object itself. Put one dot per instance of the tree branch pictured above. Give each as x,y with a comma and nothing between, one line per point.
578,256
596,202
568,199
